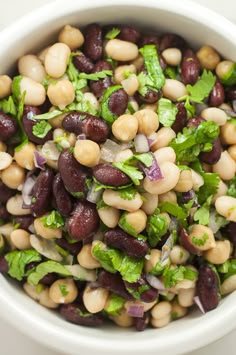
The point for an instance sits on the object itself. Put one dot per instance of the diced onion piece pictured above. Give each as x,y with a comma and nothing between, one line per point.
109,150
93,196
39,160
155,282
136,310
81,273
27,191
199,304
153,172
50,151
141,143
45,247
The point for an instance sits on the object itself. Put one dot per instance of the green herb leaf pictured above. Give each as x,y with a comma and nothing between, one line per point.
16,91
173,276
96,76
17,261
229,78
63,290
201,90
131,268
116,302
132,171
113,33
47,115
41,129
145,83
232,187
202,215
53,220
175,210
8,106
137,293
200,241
145,158
166,112
45,268
210,187
170,72
128,193
105,113
157,226
228,268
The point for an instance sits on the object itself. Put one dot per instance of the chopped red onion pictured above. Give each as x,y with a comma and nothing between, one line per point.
81,137
141,143
39,160
166,249
27,191
151,139
153,172
93,196
136,310
199,303
155,282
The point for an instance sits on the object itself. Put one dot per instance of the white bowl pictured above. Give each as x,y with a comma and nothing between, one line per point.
36,30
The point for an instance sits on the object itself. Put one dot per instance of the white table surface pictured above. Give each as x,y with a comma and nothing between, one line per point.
12,341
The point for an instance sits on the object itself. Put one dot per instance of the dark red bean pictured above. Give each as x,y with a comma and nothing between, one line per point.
62,198
230,93
99,86
113,283
217,96
208,288
83,63
149,294
195,122
24,221
84,221
73,174
4,214
142,323
171,40
5,192
150,97
48,279
107,174
190,67
128,33
213,156
42,193
181,118
187,196
149,39
28,124
8,126
230,231
184,240
3,265
119,239
73,248
92,126
93,42
118,102
75,313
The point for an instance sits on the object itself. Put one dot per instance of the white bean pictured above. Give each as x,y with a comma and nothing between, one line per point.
172,56
228,133
150,203
226,206
121,71
162,322
225,167
95,299
21,239
161,310
14,206
165,154
5,160
29,65
185,297
113,199
174,89
163,137
85,258
35,92
122,51
71,36
220,253
228,285
5,86
214,114
56,59
46,232
110,216
221,191
197,180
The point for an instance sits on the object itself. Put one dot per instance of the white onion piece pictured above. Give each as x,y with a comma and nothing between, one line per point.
49,151
109,150
45,247
141,144
81,273
199,304
93,196
166,249
27,191
155,282
136,310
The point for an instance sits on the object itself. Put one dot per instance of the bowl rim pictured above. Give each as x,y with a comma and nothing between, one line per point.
35,326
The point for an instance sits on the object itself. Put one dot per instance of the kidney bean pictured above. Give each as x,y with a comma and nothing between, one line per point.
187,196
24,221
62,198
48,279
171,40
213,156
107,174
119,239
149,39
129,33
3,265
5,192
184,240
42,193
150,97
3,212
84,221
118,102
99,86
207,288
82,122
83,63
73,174
181,118
230,93
28,124
74,313
149,294
8,126
113,283
93,41
195,122
230,231
190,67
73,248
142,323
217,95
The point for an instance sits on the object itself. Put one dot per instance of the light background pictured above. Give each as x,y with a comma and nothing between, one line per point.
11,341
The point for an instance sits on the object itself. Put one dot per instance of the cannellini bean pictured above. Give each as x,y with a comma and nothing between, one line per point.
30,65
226,206
221,191
5,160
225,167
113,199
123,155
161,310
71,36
5,86
174,89
185,297
228,285
123,319
110,216
86,259
13,176
165,154
21,239
91,98
172,56
150,203
163,137
162,322
14,206
220,253
154,258
35,92
42,297
185,182
214,114
178,311
95,299
202,237
197,180
56,59
228,133
122,51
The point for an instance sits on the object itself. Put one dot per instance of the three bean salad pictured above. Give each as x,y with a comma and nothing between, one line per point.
118,176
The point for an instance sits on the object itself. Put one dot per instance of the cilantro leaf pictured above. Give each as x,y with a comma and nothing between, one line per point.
157,226
137,293
145,158
228,268
170,72
53,220
96,76
47,115
128,193
63,290
202,215
17,261
202,88
230,77
41,129
132,171
115,304
105,112
166,112
113,33
145,83
210,187
8,106
45,268
131,268
176,210
200,241
232,187
173,276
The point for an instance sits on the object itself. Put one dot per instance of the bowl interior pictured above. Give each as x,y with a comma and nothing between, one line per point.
35,32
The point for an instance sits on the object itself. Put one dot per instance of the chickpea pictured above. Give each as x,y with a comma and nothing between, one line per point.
13,176
147,121
137,220
87,152
221,191
25,156
179,255
170,174
3,147
41,296
46,232
71,36
185,297
122,51
161,310
29,65
225,167
86,259
226,206
61,94
197,180
165,154
150,203
110,216
185,182
202,237
5,86
154,258
214,114
232,152
125,127
5,160
163,137
130,85
56,59
14,206
228,133
224,68
169,196
63,291
228,285
21,239
123,319
121,71
174,89
123,155
113,199
172,56
95,299
208,57
220,253
178,311
35,92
